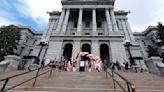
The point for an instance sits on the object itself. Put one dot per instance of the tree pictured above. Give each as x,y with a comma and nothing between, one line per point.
152,51
9,38
160,32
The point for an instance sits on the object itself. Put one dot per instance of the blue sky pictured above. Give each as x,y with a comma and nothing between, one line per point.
10,14
34,12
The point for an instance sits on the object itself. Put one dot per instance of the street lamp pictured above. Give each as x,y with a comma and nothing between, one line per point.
127,44
42,43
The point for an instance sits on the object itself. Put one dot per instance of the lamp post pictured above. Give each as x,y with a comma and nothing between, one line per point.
42,43
127,44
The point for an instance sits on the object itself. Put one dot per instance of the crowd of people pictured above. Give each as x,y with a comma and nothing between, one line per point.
63,65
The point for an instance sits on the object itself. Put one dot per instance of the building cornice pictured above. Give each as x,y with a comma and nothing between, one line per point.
87,2
121,12
54,13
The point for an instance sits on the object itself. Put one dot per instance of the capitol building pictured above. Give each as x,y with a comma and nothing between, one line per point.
86,26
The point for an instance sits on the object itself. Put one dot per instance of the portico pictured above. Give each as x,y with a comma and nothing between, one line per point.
89,24
86,21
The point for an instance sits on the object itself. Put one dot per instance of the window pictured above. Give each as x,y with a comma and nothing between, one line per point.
75,24
100,33
30,51
144,42
73,33
152,40
99,24
34,42
21,50
27,38
87,24
87,33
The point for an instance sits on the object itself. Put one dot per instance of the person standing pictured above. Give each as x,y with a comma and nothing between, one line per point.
43,63
113,64
126,66
89,66
118,65
82,66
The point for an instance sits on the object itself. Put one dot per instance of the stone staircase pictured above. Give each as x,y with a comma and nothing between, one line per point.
71,82
145,82
88,82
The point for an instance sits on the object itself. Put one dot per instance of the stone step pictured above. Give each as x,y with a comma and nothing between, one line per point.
76,89
66,89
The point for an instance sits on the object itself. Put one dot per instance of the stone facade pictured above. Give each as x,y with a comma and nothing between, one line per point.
28,44
145,39
84,25
89,23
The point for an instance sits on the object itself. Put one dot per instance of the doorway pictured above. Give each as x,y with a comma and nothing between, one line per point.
104,53
67,53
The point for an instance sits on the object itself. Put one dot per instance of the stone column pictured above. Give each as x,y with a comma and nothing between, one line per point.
113,20
60,21
95,48
94,24
109,24
65,21
117,51
129,31
76,49
46,31
79,27
95,51
54,50
50,29
125,30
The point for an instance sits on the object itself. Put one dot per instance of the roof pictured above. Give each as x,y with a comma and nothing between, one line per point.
54,13
88,2
148,30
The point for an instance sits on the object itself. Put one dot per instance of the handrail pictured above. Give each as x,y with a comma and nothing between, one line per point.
35,77
130,85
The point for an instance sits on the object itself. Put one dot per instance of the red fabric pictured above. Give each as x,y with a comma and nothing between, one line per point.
89,65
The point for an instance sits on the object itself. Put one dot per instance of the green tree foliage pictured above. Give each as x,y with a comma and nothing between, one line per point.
160,32
152,51
9,38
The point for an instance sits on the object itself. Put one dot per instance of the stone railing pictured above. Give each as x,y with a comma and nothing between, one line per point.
10,63
3,66
155,65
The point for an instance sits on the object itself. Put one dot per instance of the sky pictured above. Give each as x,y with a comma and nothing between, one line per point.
34,12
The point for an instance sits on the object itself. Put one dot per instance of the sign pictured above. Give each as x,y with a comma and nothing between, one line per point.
81,63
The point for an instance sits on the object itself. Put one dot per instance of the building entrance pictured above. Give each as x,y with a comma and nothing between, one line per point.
67,53
84,61
104,53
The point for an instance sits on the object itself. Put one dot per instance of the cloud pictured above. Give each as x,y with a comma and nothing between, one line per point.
34,12
144,12
37,9
4,22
